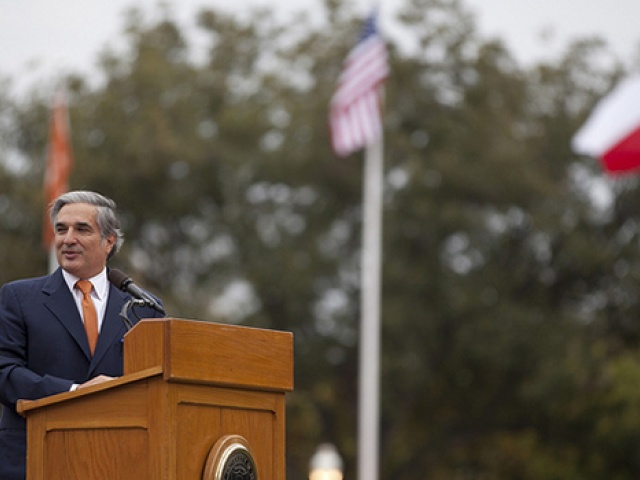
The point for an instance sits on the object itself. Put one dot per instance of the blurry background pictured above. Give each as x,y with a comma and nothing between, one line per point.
510,279
45,37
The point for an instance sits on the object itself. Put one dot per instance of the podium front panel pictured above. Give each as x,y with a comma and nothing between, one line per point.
205,415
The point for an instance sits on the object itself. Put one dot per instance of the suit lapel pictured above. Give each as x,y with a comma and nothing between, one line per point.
112,325
61,304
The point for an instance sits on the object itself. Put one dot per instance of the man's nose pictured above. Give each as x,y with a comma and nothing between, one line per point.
69,236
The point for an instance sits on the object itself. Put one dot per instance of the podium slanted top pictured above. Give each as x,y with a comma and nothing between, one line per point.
211,353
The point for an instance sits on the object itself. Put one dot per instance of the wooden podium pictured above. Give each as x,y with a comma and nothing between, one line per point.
197,400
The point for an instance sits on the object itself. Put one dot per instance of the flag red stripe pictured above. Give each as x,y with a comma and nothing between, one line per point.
624,155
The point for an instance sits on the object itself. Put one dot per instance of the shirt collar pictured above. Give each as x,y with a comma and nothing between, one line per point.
100,283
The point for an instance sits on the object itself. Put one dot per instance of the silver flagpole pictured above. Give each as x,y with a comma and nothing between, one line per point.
369,378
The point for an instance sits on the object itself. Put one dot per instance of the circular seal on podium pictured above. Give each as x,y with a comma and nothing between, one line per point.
230,459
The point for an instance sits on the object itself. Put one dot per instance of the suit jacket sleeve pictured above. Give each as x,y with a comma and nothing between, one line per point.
43,346
17,380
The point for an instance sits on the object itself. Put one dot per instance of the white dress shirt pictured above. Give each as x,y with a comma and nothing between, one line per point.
99,294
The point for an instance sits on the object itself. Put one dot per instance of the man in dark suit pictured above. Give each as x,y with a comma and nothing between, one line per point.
44,348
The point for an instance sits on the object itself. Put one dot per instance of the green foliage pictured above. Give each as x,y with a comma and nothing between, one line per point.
509,293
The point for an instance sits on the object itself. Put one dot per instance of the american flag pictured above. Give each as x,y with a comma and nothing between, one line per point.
355,107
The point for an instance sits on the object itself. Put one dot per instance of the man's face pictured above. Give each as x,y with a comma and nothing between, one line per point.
79,248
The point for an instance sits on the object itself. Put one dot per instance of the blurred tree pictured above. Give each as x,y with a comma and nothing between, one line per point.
22,153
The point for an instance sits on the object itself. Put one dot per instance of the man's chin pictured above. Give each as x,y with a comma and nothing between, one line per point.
70,266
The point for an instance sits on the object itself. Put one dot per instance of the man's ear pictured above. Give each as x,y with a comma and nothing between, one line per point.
110,243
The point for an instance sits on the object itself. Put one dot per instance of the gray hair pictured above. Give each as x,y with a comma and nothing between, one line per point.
107,219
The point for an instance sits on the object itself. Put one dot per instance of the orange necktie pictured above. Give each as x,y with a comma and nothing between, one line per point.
89,313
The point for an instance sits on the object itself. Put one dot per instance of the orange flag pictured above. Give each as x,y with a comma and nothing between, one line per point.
59,162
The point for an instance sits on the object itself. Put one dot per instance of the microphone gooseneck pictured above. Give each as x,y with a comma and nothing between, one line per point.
125,283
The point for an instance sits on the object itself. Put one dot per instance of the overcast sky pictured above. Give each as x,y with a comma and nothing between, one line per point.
38,37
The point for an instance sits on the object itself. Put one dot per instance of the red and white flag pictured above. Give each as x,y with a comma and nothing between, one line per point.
59,162
612,131
355,116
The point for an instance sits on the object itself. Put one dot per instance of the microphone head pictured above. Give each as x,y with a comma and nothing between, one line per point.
119,279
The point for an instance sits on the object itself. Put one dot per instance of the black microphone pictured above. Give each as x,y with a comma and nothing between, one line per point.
124,283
